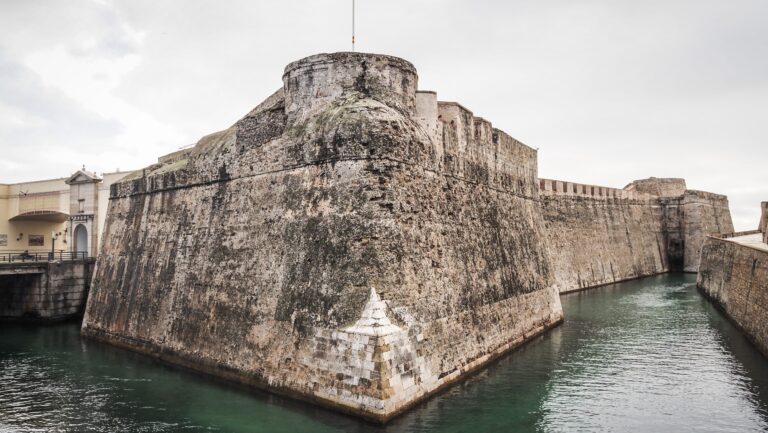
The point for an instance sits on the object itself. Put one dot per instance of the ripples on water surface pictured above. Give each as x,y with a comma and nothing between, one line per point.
645,356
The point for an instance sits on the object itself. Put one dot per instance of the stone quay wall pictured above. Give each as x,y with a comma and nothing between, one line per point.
44,291
599,235
251,256
735,278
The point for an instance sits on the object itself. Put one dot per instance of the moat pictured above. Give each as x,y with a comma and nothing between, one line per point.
648,355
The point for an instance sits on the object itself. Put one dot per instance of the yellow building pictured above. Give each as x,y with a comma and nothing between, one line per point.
65,214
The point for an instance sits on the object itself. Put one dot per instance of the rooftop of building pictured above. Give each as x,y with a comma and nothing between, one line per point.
62,179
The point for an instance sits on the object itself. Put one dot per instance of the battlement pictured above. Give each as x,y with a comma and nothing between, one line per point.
550,187
470,147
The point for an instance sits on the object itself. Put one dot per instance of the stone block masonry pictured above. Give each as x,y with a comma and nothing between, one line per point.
703,214
252,255
734,275
44,291
599,235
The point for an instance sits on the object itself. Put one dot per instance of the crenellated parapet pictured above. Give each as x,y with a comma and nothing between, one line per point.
472,148
551,187
603,234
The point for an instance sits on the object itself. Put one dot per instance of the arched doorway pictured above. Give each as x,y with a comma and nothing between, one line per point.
81,239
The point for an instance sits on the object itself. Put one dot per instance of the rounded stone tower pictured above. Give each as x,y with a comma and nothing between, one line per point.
317,80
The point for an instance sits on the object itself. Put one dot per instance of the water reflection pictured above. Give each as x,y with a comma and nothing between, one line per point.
648,355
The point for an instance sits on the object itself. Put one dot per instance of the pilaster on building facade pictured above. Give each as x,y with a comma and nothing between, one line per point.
82,229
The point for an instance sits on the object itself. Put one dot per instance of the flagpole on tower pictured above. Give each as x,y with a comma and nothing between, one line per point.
353,25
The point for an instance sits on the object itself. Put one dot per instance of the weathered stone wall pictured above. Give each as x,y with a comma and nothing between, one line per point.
599,235
252,257
44,291
689,217
704,214
735,277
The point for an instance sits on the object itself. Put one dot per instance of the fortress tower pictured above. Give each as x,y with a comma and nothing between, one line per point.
252,256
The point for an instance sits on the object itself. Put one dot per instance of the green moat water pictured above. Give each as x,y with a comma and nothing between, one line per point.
645,356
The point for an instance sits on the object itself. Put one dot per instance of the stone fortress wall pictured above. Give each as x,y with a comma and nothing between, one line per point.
701,214
599,235
734,275
251,256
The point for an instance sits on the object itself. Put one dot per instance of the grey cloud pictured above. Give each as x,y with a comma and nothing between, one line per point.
609,91
54,122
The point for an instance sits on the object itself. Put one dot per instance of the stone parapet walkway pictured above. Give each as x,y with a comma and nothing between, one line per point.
754,240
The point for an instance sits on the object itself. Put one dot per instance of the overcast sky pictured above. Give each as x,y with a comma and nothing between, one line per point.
609,90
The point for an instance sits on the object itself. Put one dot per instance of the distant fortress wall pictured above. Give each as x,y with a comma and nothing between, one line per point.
599,235
559,188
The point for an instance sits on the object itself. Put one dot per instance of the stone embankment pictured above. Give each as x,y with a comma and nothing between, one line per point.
734,275
252,255
44,291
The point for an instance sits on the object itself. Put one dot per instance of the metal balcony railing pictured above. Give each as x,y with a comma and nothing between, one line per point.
40,256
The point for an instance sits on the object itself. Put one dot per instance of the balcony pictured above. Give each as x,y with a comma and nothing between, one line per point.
42,206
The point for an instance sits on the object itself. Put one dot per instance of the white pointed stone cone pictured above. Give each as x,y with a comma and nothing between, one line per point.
374,320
